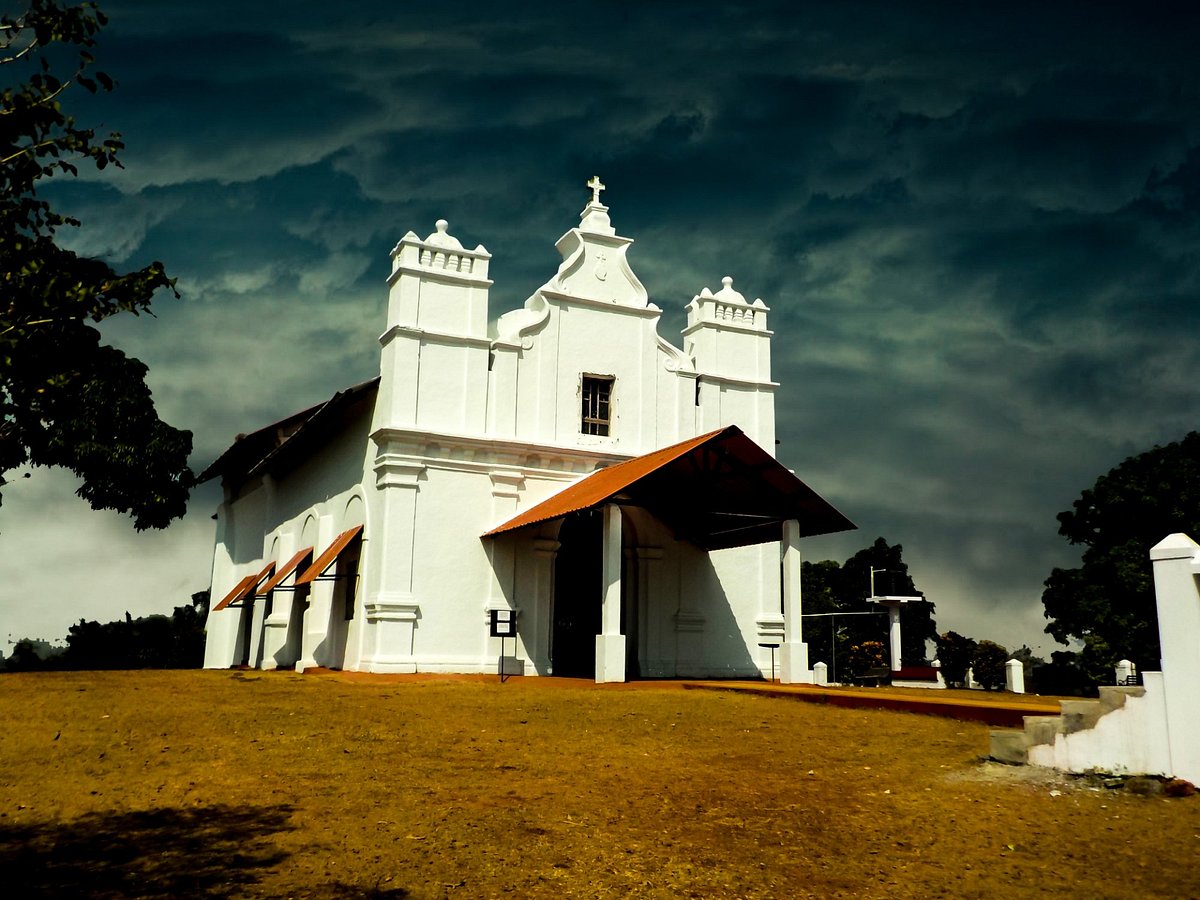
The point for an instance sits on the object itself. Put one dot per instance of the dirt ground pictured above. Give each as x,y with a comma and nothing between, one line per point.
232,784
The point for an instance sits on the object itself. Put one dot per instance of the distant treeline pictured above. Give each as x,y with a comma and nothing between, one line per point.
150,642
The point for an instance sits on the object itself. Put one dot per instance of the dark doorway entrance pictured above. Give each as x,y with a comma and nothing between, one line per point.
577,600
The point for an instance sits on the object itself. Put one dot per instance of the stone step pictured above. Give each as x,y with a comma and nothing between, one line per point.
1009,746
1112,697
1077,715
1080,715
1043,729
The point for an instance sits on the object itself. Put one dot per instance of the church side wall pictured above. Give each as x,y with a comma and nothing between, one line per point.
270,515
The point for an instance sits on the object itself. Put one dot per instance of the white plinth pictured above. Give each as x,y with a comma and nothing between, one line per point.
610,658
793,664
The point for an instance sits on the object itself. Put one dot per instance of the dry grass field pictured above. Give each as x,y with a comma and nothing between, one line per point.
230,784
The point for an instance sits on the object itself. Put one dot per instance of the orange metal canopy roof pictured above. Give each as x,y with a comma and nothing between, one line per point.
245,587
332,552
717,490
285,570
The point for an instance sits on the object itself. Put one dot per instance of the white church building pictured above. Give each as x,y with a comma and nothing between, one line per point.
563,467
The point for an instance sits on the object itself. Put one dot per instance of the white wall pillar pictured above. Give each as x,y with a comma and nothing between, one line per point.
610,643
313,644
258,610
275,625
793,655
1176,563
222,633
1014,676
821,674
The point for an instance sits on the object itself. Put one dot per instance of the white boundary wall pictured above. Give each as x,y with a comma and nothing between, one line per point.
1159,732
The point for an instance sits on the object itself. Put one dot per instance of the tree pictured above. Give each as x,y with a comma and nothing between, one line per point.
987,665
955,653
150,642
829,587
891,578
65,399
819,590
1108,601
33,655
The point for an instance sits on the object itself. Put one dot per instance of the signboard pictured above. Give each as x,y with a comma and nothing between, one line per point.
504,623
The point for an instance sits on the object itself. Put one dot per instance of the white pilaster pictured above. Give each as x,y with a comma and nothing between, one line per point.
649,632
506,493
392,613
538,640
275,625
320,607
258,609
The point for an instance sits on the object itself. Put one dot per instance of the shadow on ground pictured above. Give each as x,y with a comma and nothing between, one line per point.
214,851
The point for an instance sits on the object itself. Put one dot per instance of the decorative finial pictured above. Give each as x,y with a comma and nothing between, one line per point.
442,238
727,281
597,186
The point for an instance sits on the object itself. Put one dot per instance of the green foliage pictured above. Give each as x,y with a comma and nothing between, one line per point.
65,399
863,657
955,653
987,664
1063,676
1108,601
827,586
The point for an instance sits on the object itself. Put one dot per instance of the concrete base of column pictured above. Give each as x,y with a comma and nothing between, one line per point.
610,658
793,664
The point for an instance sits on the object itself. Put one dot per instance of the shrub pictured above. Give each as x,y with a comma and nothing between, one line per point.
863,657
955,653
987,664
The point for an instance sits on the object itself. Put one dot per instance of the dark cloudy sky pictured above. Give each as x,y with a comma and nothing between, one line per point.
977,226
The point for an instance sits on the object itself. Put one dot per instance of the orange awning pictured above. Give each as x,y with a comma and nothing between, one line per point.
244,588
332,552
285,570
717,490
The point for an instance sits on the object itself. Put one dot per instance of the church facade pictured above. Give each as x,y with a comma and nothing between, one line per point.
563,468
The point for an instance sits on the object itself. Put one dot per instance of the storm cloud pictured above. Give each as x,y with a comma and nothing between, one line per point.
977,228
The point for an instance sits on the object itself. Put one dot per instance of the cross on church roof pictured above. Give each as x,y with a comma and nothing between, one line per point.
597,186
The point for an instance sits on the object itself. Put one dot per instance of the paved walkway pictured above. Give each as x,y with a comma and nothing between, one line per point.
1000,709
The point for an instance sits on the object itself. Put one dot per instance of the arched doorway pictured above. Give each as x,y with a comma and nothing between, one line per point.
575,618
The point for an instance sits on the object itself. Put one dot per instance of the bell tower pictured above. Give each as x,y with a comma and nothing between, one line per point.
435,349
727,337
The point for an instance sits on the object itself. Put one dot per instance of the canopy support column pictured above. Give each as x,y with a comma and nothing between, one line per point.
610,643
894,644
793,655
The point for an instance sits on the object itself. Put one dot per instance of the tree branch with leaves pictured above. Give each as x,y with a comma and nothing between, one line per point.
66,399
